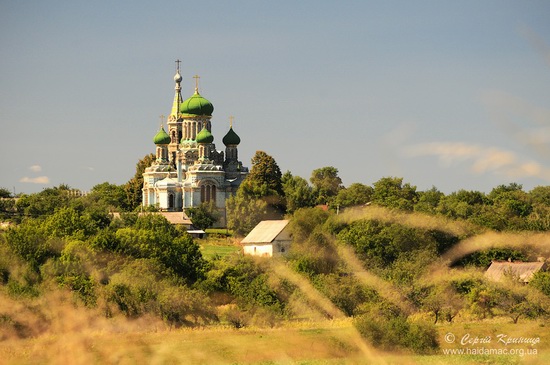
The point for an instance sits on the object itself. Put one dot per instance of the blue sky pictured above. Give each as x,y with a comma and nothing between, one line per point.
451,94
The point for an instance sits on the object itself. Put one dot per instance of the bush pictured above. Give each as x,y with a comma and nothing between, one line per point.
397,332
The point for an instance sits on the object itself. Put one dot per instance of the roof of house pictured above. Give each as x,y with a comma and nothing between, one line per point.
524,271
172,217
265,231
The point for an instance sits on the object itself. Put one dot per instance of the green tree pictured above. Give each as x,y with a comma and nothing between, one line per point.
203,216
462,204
392,193
133,188
5,193
153,237
305,221
264,179
67,222
45,202
29,241
114,196
298,193
259,197
428,200
541,281
540,195
443,301
326,184
518,300
355,194
244,213
484,258
510,207
380,244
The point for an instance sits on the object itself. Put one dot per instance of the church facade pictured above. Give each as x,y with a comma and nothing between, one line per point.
188,170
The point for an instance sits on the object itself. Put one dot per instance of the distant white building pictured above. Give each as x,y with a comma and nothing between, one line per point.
268,238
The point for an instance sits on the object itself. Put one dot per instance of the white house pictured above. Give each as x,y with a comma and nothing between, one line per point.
268,238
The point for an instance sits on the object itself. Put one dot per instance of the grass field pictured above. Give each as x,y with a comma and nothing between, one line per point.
217,244
311,343
210,251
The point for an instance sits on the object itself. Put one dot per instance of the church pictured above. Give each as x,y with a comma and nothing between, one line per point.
188,170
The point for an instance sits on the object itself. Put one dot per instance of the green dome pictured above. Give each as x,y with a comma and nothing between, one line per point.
231,138
205,136
197,105
161,137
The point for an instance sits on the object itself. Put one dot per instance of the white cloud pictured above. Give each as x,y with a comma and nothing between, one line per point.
481,159
35,168
35,180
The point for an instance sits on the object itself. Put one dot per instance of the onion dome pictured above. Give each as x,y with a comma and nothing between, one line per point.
196,105
205,136
161,137
177,77
231,138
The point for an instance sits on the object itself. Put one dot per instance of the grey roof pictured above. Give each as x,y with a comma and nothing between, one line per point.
524,271
265,231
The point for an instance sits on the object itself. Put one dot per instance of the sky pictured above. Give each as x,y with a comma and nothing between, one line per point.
451,94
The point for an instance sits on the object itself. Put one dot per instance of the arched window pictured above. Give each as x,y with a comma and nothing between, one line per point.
208,193
171,201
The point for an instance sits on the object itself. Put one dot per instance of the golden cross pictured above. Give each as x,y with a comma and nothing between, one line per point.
231,121
161,121
178,65
196,77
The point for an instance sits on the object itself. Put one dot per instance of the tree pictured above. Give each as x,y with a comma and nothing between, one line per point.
67,222
392,193
305,221
5,193
326,184
153,237
355,194
114,196
510,206
541,281
428,200
244,213
203,216
259,197
518,300
443,301
45,202
29,241
298,193
264,179
540,195
133,188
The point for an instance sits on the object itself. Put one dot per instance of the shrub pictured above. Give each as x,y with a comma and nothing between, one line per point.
397,332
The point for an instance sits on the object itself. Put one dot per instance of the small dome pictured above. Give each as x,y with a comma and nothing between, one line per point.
205,136
177,77
196,105
231,138
161,137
